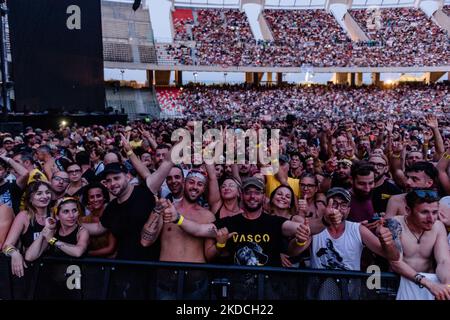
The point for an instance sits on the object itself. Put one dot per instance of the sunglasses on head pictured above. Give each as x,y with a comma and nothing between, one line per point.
430,194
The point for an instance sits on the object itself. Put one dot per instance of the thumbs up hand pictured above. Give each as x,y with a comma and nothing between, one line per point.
223,235
302,205
384,234
303,232
334,215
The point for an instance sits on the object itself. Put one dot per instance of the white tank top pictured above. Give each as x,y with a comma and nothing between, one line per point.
343,253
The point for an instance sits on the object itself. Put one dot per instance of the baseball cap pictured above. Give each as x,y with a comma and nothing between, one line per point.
338,191
8,139
254,182
114,167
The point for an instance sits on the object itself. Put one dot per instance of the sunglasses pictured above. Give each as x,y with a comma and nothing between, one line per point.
427,194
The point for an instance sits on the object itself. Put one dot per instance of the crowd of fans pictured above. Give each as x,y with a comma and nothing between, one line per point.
404,37
350,159
401,37
309,101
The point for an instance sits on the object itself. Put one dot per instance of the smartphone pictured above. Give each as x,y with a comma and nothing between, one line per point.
374,218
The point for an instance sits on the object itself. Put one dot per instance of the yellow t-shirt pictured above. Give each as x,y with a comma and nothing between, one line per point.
135,144
272,183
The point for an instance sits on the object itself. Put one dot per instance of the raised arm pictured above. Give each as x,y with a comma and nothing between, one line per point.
141,169
442,167
214,199
19,169
396,164
433,123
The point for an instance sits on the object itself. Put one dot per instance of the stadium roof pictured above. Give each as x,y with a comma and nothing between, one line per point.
290,4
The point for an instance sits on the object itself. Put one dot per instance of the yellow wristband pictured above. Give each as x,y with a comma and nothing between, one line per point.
129,153
220,245
446,156
396,156
52,241
300,244
180,221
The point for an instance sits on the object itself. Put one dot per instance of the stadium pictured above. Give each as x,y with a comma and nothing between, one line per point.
99,98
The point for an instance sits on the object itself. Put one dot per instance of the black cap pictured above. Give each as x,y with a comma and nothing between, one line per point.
114,167
254,182
338,191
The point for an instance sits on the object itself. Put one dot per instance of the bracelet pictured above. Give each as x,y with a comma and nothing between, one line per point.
221,245
180,220
418,278
300,244
52,241
446,156
396,156
9,250
129,153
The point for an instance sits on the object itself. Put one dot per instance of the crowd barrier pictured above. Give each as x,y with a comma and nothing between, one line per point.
104,279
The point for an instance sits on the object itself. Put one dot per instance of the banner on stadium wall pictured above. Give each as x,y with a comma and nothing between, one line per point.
57,55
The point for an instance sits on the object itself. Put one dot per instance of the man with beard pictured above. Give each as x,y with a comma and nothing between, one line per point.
251,238
179,246
384,188
421,175
425,263
124,217
361,207
175,182
342,175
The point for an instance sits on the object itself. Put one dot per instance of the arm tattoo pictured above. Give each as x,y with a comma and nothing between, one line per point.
149,233
212,231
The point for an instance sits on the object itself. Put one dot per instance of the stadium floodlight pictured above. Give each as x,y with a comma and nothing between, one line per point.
136,4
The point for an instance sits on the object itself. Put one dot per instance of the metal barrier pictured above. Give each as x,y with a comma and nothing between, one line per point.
102,279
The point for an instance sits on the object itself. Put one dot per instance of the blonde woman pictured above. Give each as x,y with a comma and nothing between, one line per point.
28,224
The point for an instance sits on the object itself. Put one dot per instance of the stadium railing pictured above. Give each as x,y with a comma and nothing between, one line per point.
102,279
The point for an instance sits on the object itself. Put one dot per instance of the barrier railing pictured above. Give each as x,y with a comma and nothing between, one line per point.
101,279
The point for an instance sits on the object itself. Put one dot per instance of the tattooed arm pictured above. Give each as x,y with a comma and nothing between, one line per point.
151,230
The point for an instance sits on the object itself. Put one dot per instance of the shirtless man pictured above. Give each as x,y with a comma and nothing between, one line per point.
179,246
421,175
423,240
444,214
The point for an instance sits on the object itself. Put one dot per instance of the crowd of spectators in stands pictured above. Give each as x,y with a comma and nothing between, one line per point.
401,37
311,101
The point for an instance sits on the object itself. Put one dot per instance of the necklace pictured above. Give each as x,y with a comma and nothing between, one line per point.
410,230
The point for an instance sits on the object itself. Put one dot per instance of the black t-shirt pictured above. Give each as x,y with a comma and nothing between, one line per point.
125,221
258,242
10,194
382,194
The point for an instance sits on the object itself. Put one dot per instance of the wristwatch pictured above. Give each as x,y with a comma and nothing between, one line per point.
418,279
